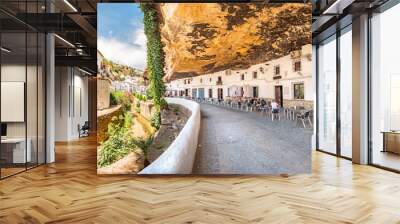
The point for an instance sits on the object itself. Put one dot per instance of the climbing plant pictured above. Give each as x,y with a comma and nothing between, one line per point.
155,56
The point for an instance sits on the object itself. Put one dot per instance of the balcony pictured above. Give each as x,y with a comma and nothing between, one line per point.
219,82
276,77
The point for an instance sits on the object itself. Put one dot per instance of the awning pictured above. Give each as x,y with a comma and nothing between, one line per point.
247,91
234,91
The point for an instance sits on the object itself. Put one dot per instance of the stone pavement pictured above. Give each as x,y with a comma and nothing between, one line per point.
238,142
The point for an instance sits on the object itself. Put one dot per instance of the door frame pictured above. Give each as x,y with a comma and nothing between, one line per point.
220,93
280,89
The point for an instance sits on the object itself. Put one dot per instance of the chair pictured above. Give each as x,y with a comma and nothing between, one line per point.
303,118
290,113
84,130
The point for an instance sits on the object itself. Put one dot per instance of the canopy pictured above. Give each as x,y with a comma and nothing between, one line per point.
234,91
247,91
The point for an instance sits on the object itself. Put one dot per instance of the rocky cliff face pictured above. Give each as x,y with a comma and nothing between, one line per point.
206,38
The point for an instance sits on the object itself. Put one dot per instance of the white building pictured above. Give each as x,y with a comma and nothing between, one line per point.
288,80
131,84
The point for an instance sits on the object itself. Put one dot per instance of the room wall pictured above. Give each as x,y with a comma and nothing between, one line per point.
16,73
34,125
71,86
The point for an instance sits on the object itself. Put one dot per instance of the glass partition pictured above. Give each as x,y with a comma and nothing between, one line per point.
22,77
346,92
327,95
41,97
31,97
385,89
13,94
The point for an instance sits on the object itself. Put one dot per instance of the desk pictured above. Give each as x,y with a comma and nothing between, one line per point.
13,150
391,141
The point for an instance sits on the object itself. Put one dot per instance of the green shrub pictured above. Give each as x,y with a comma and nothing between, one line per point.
120,141
156,119
121,98
148,94
113,99
144,144
126,102
155,53
140,96
137,107
163,103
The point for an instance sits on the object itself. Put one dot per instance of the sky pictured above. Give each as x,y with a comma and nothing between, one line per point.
121,36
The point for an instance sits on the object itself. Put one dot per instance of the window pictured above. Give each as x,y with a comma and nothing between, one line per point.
297,66
327,97
346,92
277,70
385,89
22,65
298,90
219,79
242,77
201,80
184,81
254,75
210,80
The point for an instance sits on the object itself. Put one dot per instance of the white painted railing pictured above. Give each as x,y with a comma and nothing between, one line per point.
179,157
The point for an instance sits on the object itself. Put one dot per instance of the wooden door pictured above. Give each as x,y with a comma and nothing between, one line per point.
220,93
279,95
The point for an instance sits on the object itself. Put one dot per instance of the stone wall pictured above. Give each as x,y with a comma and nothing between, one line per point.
179,157
147,109
309,105
103,120
103,94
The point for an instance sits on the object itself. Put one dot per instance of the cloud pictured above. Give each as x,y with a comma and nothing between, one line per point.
130,52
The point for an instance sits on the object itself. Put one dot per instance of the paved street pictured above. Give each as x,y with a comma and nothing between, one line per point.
236,142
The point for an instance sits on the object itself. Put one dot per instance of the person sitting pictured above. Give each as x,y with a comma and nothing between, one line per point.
263,103
248,104
275,110
256,104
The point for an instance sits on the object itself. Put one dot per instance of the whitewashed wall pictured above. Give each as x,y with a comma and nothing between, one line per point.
179,157
264,80
67,112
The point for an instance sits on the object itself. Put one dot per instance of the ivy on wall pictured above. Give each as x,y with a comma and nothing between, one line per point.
155,56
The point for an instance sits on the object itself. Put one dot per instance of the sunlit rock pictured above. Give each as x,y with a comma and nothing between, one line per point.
205,38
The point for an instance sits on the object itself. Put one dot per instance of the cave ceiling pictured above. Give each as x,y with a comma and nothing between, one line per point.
205,38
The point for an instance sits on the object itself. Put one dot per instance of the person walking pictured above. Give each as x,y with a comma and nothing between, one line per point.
275,110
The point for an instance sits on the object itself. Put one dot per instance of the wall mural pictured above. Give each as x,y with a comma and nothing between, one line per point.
204,88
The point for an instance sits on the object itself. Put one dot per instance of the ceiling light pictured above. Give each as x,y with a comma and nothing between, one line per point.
86,72
70,5
5,50
337,7
64,40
